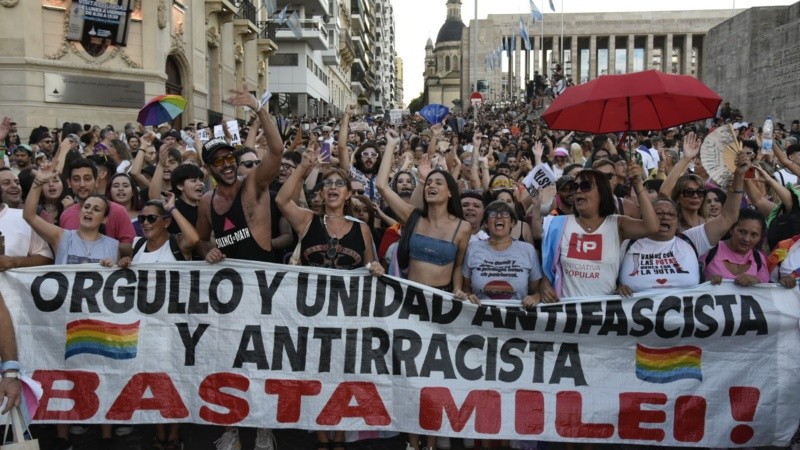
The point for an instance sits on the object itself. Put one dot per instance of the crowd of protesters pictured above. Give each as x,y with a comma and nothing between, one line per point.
437,204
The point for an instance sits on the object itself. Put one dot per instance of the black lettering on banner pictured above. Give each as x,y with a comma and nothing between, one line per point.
591,315
350,345
414,303
688,318
258,355
702,302
491,359
370,354
196,306
159,292
52,304
267,289
552,311
366,295
526,319
469,343
82,291
568,353
491,314
450,316
727,302
515,361
190,340
615,320
405,358
571,317
383,288
128,292
338,292
284,345
235,280
642,319
318,298
326,337
670,303
539,349
175,305
752,317
437,359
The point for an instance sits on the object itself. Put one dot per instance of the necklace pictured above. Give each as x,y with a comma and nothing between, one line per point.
88,248
584,225
325,223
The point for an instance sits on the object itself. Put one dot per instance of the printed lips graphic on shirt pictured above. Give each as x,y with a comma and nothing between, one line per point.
586,246
498,290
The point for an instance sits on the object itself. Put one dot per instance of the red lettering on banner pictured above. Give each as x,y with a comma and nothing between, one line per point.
369,405
166,398
744,401
690,418
631,415
290,394
529,412
83,394
569,418
588,247
211,391
485,404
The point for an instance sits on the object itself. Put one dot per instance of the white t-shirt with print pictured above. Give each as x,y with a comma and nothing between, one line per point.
163,254
590,261
651,264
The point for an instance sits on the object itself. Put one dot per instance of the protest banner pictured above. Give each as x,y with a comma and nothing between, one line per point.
263,345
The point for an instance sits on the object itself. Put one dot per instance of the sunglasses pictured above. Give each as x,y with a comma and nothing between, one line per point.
502,184
333,251
610,176
230,158
369,155
149,218
689,193
250,164
359,191
583,186
498,214
337,182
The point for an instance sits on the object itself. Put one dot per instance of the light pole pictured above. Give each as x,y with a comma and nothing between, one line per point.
475,61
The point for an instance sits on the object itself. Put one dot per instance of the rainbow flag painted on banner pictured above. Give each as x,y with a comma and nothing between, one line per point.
96,337
665,365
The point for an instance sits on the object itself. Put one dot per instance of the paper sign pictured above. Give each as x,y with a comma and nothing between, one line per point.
233,130
541,176
218,131
202,134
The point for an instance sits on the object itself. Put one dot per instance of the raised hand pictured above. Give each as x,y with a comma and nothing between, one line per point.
691,146
391,137
743,163
243,97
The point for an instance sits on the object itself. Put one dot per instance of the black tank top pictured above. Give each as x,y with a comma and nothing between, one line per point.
233,236
316,250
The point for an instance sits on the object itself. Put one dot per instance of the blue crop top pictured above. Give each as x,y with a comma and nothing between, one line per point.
432,250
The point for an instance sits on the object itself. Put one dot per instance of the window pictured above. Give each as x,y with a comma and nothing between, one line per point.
447,63
289,59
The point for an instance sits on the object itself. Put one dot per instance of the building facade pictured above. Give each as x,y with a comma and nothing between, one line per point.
398,88
590,45
383,95
443,60
196,48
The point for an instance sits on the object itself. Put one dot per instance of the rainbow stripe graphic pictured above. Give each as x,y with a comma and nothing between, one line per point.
665,365
112,340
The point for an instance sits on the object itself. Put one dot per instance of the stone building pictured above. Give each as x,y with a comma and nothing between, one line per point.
398,89
443,61
593,44
197,48
757,71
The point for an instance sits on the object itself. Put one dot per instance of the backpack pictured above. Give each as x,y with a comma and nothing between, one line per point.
711,253
782,224
173,246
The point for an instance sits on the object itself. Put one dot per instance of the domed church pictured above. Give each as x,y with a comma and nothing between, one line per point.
443,61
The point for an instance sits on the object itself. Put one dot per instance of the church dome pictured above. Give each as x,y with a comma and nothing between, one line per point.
450,31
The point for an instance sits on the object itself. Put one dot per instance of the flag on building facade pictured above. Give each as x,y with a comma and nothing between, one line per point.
536,15
552,6
270,6
523,34
281,18
294,24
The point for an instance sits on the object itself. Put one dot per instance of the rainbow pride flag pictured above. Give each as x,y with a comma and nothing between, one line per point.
96,337
665,365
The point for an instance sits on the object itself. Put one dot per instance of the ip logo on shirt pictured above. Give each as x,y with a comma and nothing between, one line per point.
586,246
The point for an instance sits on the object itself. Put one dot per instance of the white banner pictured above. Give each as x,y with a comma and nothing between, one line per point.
276,346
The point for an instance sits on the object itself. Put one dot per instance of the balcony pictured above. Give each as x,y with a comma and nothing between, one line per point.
313,33
246,11
312,7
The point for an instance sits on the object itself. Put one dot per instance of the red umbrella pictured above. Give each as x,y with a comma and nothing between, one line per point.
640,101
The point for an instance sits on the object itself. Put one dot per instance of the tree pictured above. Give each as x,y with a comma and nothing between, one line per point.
416,104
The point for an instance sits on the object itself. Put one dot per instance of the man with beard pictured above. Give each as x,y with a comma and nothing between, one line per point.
23,247
238,210
24,157
10,189
562,203
367,160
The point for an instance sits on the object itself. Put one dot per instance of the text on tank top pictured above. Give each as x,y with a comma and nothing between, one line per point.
233,235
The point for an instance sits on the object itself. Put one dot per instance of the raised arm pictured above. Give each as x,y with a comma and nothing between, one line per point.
436,133
10,388
189,237
638,228
252,132
344,130
157,182
691,148
298,217
397,204
717,227
49,232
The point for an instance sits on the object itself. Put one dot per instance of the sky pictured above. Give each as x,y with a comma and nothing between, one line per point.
418,20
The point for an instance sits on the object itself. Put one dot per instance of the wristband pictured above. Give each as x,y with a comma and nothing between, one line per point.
169,211
10,365
738,192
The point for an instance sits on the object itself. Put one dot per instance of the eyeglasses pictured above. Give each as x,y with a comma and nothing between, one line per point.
250,164
667,214
583,186
498,214
359,191
230,158
369,155
337,182
287,166
46,141
689,193
149,218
